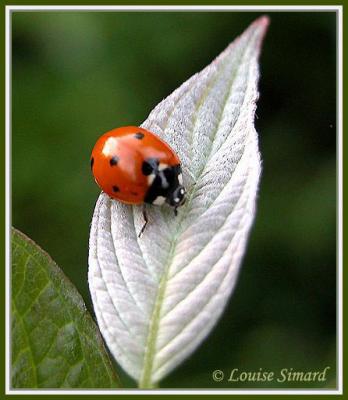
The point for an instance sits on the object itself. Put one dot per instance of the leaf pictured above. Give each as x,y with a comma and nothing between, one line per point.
55,343
157,297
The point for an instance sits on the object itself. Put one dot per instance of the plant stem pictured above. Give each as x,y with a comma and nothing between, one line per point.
147,384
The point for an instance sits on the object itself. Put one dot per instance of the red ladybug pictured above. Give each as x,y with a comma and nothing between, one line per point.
135,166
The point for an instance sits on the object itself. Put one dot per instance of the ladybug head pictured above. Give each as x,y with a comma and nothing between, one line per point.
177,197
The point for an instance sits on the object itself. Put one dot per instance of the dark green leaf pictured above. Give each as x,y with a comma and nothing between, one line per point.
55,343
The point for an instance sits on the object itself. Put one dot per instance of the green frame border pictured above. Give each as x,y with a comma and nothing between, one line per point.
3,211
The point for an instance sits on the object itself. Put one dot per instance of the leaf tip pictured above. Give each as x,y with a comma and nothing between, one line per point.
263,21
260,25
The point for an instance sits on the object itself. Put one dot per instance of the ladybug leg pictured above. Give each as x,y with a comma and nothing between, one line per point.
175,211
145,221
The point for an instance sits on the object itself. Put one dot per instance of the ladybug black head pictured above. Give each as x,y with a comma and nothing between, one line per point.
177,197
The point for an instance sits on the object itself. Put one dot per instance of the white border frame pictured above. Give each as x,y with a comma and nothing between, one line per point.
339,91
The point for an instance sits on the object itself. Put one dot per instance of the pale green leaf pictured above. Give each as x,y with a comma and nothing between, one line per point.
157,297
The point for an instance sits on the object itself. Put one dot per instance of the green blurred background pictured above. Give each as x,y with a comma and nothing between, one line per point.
76,75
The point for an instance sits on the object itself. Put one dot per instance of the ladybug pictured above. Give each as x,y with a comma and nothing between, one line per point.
135,166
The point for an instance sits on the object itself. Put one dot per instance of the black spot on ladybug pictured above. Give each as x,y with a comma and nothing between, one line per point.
134,193
115,189
92,162
149,165
114,161
139,135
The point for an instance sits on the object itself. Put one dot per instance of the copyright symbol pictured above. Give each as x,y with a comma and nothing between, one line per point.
218,375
